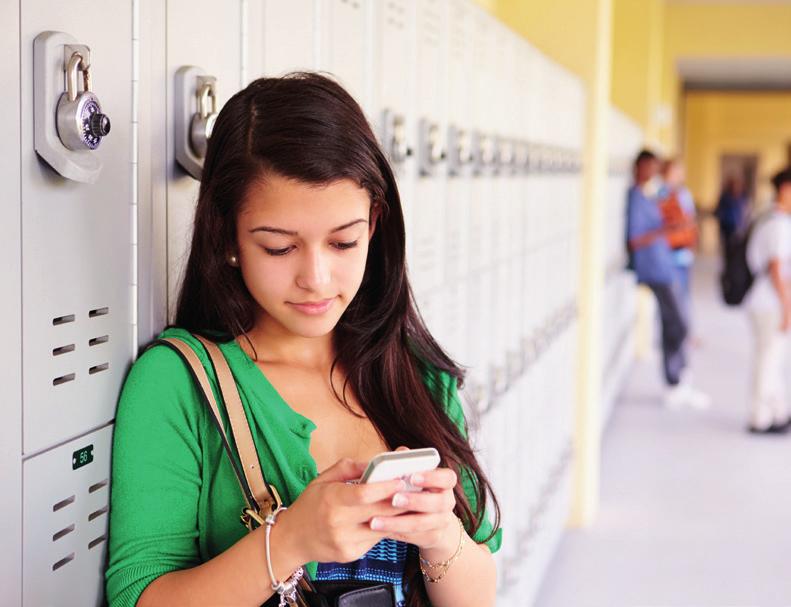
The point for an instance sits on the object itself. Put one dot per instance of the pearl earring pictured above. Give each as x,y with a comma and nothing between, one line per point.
233,260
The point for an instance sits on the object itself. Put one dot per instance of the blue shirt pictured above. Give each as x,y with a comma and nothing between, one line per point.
385,562
653,263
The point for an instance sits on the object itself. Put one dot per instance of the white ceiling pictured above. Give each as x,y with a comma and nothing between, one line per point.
736,72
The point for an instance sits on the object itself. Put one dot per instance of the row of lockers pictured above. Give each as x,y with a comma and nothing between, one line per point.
620,295
76,327
526,438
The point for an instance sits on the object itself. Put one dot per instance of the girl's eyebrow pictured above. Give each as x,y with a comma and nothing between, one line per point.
294,233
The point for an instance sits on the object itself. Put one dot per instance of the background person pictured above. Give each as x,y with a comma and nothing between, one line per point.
652,260
732,208
678,207
768,304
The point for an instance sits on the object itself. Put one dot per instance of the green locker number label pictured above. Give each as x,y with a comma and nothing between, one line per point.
82,457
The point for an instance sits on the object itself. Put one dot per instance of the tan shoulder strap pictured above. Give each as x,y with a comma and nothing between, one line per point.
265,495
199,375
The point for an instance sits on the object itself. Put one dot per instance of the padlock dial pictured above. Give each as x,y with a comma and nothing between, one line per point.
95,125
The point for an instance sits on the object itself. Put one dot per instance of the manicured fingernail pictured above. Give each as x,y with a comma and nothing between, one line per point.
416,479
376,524
399,500
401,485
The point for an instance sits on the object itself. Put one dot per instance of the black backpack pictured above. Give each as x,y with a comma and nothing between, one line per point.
736,277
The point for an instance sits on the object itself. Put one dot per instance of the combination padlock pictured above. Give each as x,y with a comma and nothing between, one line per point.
431,152
394,137
399,146
81,123
202,123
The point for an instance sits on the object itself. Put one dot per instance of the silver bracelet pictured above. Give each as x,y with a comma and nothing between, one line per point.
287,589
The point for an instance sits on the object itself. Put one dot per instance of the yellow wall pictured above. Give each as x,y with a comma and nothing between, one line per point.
650,36
711,29
637,54
562,29
728,29
718,123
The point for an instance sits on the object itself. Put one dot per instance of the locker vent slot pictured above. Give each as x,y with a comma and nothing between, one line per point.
99,340
63,503
98,368
98,312
395,14
432,21
63,379
63,350
62,562
63,532
97,541
62,320
98,513
95,487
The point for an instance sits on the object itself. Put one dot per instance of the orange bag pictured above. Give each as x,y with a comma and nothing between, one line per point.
682,233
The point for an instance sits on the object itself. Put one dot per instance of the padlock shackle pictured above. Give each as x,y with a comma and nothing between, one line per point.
77,64
205,92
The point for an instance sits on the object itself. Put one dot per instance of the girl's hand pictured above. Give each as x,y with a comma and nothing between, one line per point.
329,521
429,522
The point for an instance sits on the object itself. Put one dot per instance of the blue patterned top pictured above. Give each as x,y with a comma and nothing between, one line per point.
384,562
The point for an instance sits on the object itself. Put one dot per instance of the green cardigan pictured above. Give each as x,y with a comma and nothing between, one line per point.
175,501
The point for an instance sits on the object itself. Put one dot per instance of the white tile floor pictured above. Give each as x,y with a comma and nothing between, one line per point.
694,511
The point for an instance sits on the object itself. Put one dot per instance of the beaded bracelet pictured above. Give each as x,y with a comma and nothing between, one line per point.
287,589
445,565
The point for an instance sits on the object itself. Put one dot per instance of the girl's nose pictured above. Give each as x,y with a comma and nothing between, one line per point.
314,273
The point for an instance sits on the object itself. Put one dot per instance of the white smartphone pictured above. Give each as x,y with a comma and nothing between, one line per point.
400,464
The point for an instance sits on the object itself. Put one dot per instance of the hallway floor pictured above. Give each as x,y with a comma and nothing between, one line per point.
694,511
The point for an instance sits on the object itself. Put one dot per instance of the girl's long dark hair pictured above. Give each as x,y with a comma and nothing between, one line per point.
307,127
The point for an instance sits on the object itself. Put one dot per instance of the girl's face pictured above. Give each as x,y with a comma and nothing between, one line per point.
302,250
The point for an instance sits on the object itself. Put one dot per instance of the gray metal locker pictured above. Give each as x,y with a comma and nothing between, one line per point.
290,33
77,330
345,46
222,59
11,311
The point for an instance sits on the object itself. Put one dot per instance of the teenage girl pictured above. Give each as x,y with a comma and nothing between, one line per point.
297,271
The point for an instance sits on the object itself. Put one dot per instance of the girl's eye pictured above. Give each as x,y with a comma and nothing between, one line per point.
277,252
346,245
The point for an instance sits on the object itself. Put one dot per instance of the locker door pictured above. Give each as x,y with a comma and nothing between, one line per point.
392,83
77,250
427,262
187,46
290,36
66,504
456,294
456,108
479,321
11,311
344,45
483,208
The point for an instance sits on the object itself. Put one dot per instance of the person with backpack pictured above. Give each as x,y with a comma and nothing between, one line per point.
652,260
732,208
768,304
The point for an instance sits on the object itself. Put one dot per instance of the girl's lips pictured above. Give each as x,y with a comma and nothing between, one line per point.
314,308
